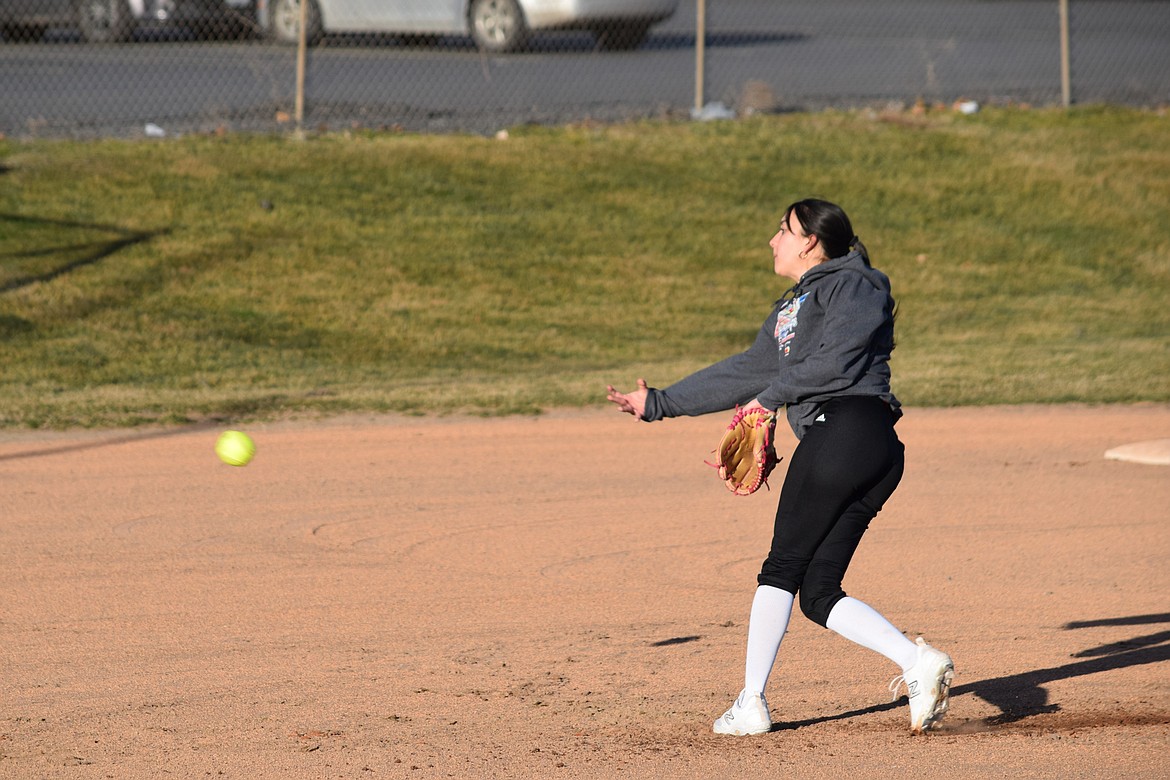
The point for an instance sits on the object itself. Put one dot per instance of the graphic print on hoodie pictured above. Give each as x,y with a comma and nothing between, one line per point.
786,324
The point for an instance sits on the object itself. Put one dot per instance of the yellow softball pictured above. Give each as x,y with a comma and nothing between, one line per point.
235,448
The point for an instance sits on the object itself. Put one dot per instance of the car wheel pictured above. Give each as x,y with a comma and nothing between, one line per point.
23,33
622,36
285,22
497,25
105,21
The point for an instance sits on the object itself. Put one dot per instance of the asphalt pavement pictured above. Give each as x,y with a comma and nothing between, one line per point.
760,55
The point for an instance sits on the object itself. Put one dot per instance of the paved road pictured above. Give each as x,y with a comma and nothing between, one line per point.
800,54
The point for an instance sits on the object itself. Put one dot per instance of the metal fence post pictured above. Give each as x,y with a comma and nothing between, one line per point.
302,45
700,51
1065,71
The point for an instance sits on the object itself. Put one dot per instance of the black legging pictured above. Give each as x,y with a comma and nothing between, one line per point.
842,472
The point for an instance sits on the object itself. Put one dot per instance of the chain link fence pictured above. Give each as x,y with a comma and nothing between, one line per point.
84,68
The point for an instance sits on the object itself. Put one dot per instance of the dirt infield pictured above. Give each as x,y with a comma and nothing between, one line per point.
576,609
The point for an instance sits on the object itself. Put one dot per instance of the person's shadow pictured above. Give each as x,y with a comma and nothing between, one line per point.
45,263
40,249
1023,695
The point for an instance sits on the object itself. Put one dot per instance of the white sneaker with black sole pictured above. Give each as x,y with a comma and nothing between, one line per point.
748,715
928,685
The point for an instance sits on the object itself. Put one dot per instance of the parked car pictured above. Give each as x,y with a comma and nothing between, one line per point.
109,21
494,25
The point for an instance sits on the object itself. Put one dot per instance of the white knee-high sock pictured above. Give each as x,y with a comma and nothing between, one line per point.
771,611
859,622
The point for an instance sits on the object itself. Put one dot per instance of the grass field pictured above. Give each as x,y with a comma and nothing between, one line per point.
254,277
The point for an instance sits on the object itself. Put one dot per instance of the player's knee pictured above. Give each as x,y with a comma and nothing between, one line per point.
778,578
817,604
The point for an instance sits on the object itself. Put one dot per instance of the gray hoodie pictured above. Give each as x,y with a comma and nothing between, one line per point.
830,335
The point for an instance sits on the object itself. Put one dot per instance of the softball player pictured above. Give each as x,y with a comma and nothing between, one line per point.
823,354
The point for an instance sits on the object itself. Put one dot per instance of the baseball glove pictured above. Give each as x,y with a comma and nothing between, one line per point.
746,453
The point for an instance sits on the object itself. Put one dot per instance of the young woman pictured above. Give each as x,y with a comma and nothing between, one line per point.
823,355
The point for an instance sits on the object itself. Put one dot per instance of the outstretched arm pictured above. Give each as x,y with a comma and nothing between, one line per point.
733,380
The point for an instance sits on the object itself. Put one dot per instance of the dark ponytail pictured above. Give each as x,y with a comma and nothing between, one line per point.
829,223
860,247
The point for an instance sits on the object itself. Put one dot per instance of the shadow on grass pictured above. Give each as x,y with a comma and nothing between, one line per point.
83,254
1023,695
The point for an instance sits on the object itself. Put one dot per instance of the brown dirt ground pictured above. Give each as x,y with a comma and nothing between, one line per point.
576,608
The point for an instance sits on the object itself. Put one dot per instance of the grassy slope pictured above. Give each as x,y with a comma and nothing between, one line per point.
144,282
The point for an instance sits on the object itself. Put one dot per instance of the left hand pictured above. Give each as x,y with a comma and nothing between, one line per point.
755,404
631,403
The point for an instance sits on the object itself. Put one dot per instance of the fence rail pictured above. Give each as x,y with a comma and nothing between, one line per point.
129,67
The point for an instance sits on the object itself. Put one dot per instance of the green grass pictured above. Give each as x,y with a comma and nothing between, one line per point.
143,282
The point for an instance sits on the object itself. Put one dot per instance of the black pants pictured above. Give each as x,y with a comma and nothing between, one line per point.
842,472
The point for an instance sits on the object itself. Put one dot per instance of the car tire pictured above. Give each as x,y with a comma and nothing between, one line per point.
23,33
105,21
284,22
621,36
497,26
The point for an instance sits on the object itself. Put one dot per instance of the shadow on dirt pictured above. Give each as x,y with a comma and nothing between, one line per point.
1023,695
110,441
677,640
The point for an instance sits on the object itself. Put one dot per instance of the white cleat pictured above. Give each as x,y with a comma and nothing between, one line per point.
928,684
747,715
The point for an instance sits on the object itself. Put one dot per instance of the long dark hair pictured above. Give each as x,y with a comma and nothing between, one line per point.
829,223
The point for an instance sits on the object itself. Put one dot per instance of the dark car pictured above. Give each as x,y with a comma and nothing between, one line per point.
109,21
